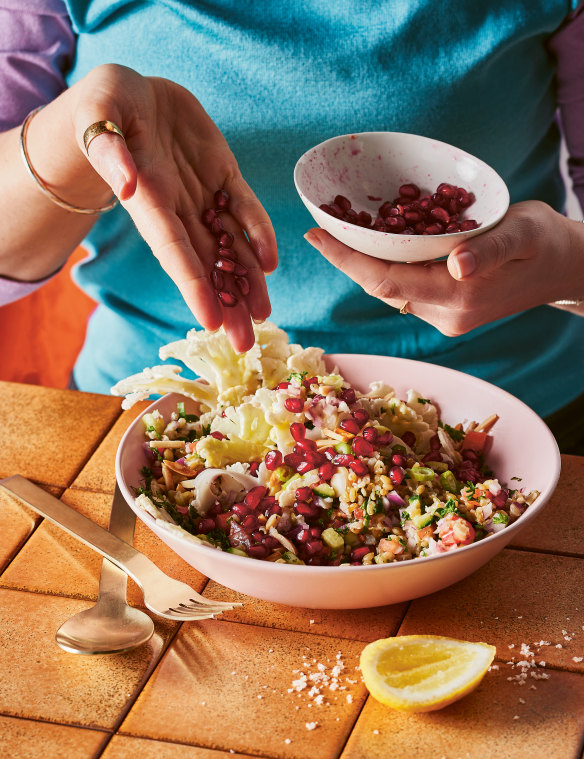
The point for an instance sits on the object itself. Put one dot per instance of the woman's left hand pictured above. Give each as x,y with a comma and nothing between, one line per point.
533,256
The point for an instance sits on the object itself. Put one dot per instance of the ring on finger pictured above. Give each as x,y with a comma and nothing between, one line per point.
100,127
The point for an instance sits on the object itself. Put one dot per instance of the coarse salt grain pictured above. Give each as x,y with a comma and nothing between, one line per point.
577,659
311,725
287,740
376,732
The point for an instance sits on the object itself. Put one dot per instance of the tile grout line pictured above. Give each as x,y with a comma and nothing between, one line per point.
545,552
130,703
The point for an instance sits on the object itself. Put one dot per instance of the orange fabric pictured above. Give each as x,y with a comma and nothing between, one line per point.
42,334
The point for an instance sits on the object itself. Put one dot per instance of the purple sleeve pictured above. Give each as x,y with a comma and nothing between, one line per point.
36,48
568,47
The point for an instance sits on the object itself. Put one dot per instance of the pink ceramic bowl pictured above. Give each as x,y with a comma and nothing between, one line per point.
523,447
374,165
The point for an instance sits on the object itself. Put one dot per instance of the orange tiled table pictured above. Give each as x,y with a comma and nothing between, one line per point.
225,687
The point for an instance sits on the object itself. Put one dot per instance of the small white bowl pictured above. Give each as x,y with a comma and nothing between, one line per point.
374,165
523,447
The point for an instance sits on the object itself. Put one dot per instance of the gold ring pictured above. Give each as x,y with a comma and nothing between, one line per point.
404,308
100,127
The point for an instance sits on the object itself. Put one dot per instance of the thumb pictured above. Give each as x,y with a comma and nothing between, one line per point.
490,250
107,152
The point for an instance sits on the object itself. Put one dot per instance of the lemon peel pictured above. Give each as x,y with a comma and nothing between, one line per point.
422,673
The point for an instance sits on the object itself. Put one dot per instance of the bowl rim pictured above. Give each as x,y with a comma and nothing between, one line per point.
485,226
504,536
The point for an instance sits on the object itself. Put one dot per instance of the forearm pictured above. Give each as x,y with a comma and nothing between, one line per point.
36,235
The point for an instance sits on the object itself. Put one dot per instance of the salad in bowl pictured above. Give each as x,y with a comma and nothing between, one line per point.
274,455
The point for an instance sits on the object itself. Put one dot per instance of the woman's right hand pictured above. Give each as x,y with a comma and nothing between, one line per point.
165,174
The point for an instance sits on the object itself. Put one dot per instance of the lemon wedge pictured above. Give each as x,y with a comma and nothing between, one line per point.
421,673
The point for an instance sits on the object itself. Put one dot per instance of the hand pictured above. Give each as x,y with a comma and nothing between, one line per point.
533,256
165,175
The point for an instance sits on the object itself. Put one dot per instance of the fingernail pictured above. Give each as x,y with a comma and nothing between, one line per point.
313,238
464,264
117,180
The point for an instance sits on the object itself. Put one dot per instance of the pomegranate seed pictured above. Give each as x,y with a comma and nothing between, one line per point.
227,253
305,466
384,439
218,435
225,240
343,459
469,454
432,456
397,475
293,460
358,554
412,217
305,509
348,396
298,431
364,218
467,225
316,532
326,471
253,468
409,438
310,381
304,445
258,552
294,405
275,509
385,210
217,227
350,425
217,280
221,200
362,447
243,285
241,509
267,502
314,547
283,386
398,459
434,443
304,494
433,229
361,416
206,525
227,299
225,264
250,523
208,216
342,202
360,468
446,189
440,214
328,209
350,216
454,227
303,536
411,191
420,228
254,496
314,458
371,435
272,460
463,198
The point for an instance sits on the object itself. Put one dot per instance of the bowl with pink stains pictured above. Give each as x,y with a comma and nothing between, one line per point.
398,196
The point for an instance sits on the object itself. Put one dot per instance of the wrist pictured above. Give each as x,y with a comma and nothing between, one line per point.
54,153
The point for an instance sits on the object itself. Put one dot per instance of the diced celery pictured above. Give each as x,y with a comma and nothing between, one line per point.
422,520
351,539
332,538
420,474
343,447
290,558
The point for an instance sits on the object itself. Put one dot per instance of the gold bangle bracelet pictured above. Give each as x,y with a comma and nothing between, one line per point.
42,186
569,301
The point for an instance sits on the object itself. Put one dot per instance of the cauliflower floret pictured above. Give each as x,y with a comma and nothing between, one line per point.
161,380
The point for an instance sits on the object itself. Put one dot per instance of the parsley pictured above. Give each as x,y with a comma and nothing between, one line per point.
449,508
404,516
519,479
424,400
456,435
205,429
298,376
147,474
471,488
151,428
309,425
220,537
500,518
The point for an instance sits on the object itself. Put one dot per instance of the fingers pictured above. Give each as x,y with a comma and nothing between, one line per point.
393,283
188,268
251,216
514,238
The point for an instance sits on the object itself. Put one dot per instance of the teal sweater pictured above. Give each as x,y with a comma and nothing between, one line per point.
279,77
